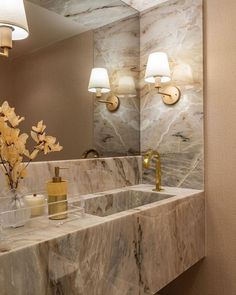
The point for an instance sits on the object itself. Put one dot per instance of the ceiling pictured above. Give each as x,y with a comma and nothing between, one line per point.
56,20
89,14
45,28
51,21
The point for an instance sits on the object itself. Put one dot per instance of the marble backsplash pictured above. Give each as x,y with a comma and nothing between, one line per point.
83,176
175,27
116,47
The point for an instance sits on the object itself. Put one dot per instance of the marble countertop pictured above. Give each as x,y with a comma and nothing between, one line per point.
137,251
42,230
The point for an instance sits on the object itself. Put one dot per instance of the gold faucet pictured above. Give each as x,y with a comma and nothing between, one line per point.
94,153
146,162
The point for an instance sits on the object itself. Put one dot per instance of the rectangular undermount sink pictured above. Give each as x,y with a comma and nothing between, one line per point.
109,204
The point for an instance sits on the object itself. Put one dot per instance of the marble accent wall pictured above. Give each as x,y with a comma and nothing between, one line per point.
83,176
175,27
116,47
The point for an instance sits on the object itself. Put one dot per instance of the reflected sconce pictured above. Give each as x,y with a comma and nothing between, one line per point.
158,72
13,24
126,87
99,83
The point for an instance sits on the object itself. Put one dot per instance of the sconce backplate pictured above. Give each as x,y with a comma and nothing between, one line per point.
172,96
113,103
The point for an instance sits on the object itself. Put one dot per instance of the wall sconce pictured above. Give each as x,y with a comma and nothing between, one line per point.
126,87
13,24
157,72
99,83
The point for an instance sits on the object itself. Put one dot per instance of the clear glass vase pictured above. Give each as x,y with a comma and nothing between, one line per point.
14,212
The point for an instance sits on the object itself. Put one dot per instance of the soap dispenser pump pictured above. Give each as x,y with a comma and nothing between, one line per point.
57,196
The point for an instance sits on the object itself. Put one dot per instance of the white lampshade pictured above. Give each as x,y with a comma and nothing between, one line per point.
99,80
157,67
12,14
127,86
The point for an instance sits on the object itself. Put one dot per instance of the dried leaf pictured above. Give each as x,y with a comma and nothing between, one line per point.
40,127
34,154
34,136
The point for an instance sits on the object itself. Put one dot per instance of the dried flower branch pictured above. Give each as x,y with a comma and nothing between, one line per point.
13,149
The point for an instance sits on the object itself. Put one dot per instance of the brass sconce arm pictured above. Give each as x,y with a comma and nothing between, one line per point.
104,101
112,103
170,94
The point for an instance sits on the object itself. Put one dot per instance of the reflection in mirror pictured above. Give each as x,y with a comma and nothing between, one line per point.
46,76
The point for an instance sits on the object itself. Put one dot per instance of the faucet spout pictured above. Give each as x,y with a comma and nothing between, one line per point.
93,152
146,162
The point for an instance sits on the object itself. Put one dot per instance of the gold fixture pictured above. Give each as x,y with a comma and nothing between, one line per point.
146,162
5,40
99,83
57,196
4,52
91,151
13,24
170,94
112,103
158,72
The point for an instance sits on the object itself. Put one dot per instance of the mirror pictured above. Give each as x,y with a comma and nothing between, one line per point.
46,76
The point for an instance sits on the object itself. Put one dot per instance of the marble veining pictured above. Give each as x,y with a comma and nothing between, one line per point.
109,204
113,255
116,47
176,132
89,14
142,5
84,176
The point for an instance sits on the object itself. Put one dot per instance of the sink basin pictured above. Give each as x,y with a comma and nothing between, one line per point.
109,204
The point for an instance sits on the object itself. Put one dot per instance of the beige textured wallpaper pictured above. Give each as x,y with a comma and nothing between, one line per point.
51,84
216,275
5,83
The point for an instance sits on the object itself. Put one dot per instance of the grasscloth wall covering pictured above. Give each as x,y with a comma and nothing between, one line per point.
216,274
175,27
36,86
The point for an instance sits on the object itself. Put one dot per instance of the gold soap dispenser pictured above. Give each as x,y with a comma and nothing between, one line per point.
57,196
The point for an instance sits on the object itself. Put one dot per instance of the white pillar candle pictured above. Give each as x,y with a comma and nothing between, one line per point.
37,204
